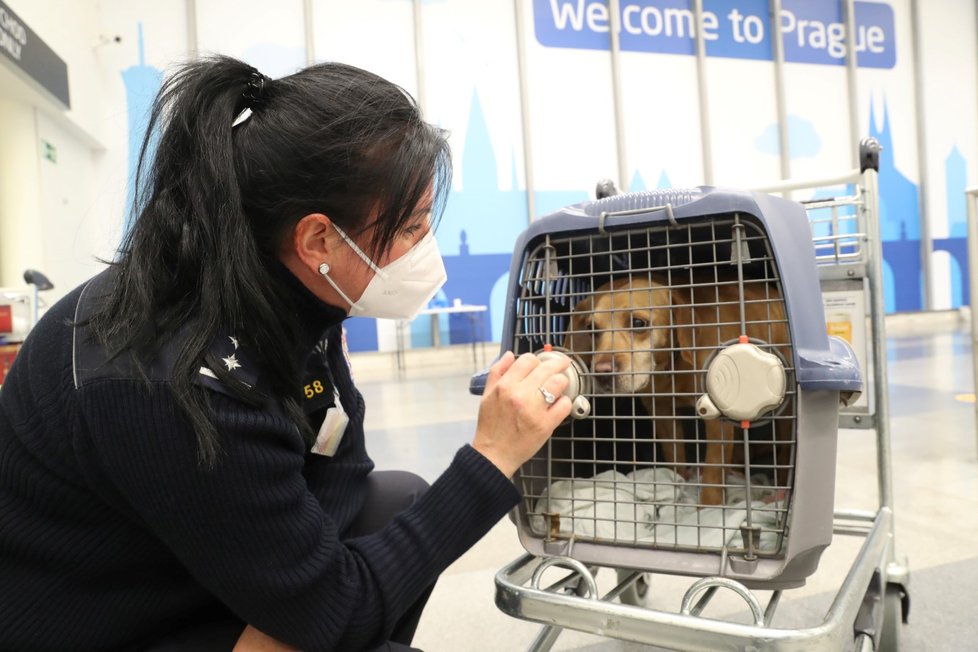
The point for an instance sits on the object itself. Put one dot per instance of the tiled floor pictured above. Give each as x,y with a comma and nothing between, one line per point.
418,420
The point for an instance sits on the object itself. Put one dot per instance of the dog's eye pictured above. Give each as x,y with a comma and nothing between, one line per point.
638,322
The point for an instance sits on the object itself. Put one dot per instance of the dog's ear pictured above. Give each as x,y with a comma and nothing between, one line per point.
570,337
577,336
682,322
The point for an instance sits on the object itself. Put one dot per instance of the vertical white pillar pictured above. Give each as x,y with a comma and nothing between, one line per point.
309,32
624,178
191,9
706,137
422,95
531,205
21,231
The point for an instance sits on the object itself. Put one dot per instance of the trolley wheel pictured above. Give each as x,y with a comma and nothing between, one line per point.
892,619
637,593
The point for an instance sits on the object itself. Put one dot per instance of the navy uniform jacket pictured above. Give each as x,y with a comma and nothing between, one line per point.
112,533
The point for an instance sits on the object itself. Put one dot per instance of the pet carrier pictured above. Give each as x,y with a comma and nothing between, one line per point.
722,287
705,391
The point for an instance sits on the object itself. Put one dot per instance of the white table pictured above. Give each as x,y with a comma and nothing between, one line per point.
472,310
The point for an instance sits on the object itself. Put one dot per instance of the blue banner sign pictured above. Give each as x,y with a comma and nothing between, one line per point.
813,30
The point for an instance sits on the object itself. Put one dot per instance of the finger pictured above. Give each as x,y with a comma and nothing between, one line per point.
550,392
556,413
548,368
500,367
522,367
556,384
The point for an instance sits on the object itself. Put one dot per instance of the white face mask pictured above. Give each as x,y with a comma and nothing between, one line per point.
401,288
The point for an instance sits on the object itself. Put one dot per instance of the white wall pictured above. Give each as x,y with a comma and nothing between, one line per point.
950,104
44,205
74,234
71,29
77,207
269,37
64,216
350,32
21,235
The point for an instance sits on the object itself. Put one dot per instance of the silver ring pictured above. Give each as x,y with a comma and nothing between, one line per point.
547,396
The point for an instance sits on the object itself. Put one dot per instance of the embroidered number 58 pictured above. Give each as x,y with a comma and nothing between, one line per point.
316,387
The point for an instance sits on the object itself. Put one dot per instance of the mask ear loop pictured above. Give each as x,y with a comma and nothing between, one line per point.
324,272
359,252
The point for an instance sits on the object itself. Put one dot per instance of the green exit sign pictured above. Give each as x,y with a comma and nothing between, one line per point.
49,151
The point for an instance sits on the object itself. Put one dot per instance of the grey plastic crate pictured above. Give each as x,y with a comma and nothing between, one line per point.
649,294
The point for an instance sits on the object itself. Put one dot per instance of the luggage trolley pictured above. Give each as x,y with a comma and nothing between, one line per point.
706,400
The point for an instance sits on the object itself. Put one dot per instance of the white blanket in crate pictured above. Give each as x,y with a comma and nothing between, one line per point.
657,505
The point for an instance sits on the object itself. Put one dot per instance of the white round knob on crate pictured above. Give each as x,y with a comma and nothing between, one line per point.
744,382
576,383
705,409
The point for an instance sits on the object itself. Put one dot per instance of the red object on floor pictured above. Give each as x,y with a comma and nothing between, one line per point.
6,319
7,354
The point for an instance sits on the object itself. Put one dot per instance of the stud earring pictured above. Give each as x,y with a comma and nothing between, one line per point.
324,268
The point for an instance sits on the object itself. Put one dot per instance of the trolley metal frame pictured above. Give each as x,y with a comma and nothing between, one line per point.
971,199
873,597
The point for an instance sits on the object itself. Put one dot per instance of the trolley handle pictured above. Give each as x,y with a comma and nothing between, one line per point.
869,154
727,583
569,564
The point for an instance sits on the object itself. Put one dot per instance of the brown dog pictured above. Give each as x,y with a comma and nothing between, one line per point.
708,318
623,333
638,336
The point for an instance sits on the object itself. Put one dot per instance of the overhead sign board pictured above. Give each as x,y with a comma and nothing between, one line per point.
812,32
22,48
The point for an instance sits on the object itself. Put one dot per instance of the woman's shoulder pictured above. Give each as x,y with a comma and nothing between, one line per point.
94,358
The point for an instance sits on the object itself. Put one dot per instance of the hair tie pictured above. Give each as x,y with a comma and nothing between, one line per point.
254,93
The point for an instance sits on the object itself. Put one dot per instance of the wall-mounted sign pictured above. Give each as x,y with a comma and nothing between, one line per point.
812,32
22,48
49,151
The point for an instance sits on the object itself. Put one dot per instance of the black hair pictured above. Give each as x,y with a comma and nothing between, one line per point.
215,203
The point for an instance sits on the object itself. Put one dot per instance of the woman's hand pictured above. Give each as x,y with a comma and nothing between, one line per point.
252,640
515,419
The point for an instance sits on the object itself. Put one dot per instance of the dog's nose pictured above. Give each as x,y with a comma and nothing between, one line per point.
604,366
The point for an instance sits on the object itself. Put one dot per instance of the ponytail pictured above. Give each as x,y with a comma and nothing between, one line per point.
216,200
188,202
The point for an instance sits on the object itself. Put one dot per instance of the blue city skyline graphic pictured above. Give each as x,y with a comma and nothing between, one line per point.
476,235
900,226
142,83
900,222
956,244
479,212
482,221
